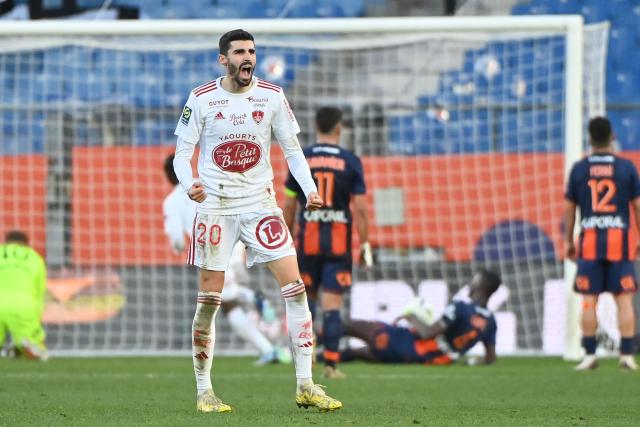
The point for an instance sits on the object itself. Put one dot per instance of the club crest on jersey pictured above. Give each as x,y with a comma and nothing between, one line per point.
186,115
257,116
237,155
271,232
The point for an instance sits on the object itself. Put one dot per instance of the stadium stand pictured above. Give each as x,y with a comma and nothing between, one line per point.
481,80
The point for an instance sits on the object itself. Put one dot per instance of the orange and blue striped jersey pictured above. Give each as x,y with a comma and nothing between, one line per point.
602,186
339,175
468,323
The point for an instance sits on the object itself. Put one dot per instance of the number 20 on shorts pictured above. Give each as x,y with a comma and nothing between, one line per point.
212,236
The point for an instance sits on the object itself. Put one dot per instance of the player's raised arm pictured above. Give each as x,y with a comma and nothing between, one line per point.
285,128
299,168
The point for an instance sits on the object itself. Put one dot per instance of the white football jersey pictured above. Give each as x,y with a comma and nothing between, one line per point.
234,131
179,211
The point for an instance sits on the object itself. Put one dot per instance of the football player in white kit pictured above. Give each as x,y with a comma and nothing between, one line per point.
179,212
233,119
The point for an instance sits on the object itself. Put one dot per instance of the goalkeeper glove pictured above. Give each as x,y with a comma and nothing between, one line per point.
366,255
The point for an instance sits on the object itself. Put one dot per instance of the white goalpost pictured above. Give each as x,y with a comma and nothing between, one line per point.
466,126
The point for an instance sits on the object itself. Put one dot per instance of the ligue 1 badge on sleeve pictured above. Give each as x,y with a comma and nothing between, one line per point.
257,116
186,115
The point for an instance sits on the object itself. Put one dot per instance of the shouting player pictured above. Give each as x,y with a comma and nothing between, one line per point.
179,212
233,119
324,236
603,185
462,325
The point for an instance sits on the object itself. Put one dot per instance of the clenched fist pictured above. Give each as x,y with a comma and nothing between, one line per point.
197,193
314,202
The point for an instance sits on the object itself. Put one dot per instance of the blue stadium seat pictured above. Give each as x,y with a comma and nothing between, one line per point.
541,8
547,6
626,126
430,134
622,43
150,132
402,134
623,14
277,3
594,11
351,8
527,131
259,9
521,9
329,10
568,7
456,87
429,101
22,132
221,11
303,9
623,87
89,4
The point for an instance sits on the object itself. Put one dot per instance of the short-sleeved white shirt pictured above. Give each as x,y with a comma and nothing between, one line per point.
235,131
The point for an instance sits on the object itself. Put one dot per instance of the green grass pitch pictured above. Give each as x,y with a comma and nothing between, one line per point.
159,391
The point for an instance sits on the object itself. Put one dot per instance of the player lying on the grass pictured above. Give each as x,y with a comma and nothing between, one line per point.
462,325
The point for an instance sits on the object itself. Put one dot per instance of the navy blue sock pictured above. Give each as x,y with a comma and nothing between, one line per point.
626,345
331,332
589,344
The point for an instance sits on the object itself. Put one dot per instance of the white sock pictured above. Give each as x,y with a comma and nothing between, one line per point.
203,333
300,329
247,330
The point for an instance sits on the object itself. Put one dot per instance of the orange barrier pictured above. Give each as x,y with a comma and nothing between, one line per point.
117,206
23,181
450,201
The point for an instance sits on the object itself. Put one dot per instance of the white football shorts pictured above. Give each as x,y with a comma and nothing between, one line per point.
214,236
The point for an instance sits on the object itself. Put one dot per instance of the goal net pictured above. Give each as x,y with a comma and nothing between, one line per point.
464,127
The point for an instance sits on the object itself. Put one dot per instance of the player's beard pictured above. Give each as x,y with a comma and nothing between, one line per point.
235,73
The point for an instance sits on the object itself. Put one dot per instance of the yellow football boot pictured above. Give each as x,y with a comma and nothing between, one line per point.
314,395
208,402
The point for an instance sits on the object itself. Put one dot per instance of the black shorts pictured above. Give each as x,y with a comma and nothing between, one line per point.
332,273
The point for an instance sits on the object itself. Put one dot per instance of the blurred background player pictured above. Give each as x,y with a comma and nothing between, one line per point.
324,236
463,324
603,186
179,212
233,118
23,284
